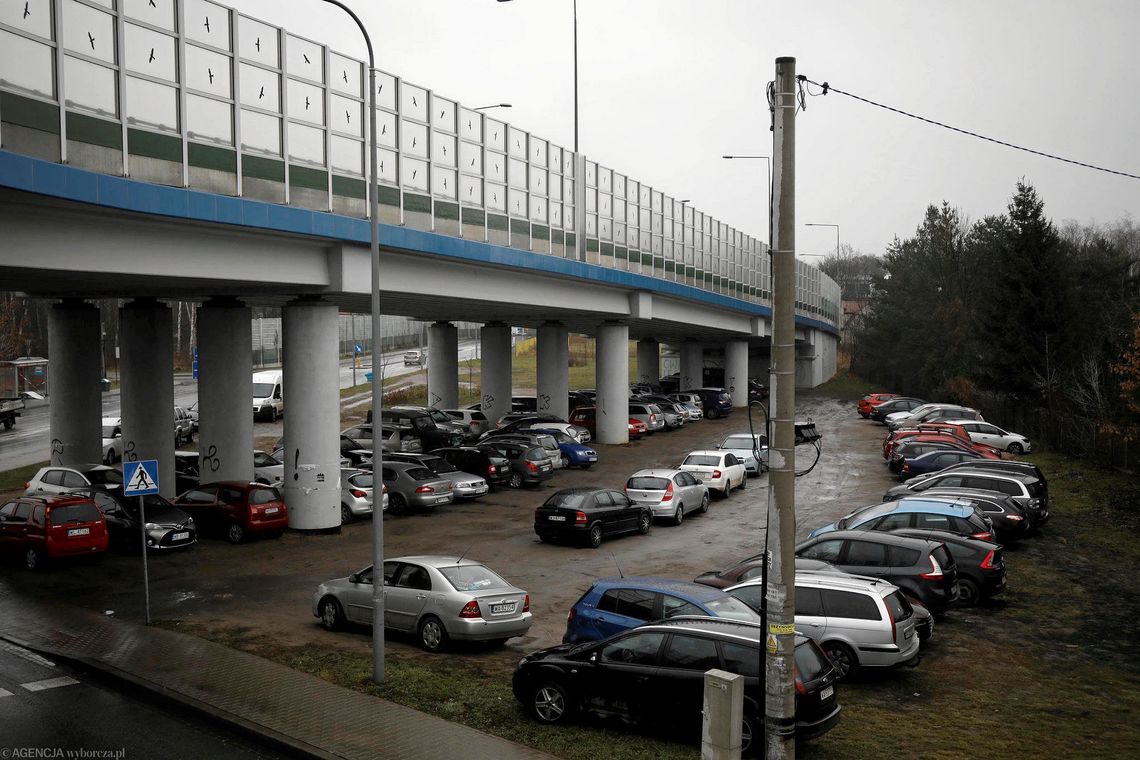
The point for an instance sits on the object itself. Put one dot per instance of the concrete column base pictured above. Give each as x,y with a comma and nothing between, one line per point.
76,400
612,418
648,361
225,388
443,366
553,362
495,370
692,365
146,335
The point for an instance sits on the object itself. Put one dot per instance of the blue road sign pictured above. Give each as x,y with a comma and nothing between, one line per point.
194,368
140,478
358,348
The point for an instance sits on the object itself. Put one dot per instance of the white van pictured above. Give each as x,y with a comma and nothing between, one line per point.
268,399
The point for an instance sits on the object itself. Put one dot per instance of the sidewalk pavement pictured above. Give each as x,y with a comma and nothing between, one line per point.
300,712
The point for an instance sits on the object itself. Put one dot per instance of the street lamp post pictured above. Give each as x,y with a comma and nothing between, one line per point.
824,224
377,380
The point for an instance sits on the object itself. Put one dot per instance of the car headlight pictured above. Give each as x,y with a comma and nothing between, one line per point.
152,526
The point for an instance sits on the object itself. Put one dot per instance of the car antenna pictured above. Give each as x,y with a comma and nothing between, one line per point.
464,554
620,573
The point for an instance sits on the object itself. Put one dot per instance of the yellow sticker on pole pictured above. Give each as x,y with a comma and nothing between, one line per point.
781,629
771,644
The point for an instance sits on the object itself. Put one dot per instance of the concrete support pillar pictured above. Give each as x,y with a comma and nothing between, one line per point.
809,361
443,366
146,341
736,371
495,370
76,400
613,383
225,386
311,393
648,361
692,365
553,370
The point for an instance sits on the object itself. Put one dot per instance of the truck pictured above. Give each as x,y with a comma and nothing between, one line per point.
268,396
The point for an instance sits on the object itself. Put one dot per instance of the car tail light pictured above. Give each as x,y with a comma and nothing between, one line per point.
573,613
653,418
906,466
580,518
984,535
716,474
425,489
894,628
358,493
385,488
1014,518
988,562
668,493
800,689
532,467
526,603
490,469
935,573
470,610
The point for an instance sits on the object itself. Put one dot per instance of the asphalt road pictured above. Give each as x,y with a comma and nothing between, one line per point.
48,709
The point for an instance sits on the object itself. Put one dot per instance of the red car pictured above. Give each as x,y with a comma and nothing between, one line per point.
236,509
637,428
949,440
45,528
951,430
870,400
586,416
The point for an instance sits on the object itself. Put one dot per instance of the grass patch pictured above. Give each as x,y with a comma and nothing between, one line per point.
12,480
844,386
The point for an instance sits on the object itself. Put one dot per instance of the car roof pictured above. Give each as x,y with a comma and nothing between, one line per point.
947,537
740,629
581,489
710,452
968,494
54,499
1021,477
952,507
696,591
874,536
655,472
436,560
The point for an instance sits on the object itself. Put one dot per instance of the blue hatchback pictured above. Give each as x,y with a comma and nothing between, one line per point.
613,605
574,454
951,514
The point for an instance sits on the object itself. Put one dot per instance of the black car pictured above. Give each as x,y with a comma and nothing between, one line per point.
356,452
167,526
529,465
589,515
923,568
653,675
1012,466
1026,490
424,425
493,466
981,567
879,412
186,470
514,423
1009,518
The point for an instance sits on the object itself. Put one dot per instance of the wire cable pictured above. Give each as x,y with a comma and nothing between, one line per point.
828,88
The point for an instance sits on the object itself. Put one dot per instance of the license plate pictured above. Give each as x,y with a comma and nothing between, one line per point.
79,531
591,459
441,500
908,633
705,476
480,489
271,510
502,609
557,518
825,693
180,536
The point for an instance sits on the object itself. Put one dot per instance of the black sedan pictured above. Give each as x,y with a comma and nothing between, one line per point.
879,412
981,567
167,526
493,466
590,514
653,675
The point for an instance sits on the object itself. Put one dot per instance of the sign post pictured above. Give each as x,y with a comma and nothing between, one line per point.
141,479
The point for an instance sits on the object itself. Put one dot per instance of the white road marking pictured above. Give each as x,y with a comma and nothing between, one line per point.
25,654
50,683
5,693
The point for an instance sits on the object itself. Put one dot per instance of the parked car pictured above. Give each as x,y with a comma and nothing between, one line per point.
474,421
268,394
573,454
613,605
415,357
355,494
192,410
578,434
879,412
935,431
437,598
693,412
187,470
43,529
865,404
923,568
464,484
858,621
517,420
529,464
981,566
356,441
413,486
931,461
668,413
267,468
1004,465
653,675
716,402
719,470
637,429
590,514
992,435
1010,520
933,413
423,422
650,414
490,464
1026,490
532,438
442,419
112,440
59,479
167,526
236,509
752,567
746,446
183,427
669,493
948,513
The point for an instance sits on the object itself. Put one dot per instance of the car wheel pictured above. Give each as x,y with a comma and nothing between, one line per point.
705,502
714,414
842,658
645,522
727,488
33,560
565,462
679,515
235,534
345,514
744,480
516,480
433,636
397,505
747,736
968,593
594,537
332,616
273,414
109,458
550,703
1015,448
177,439
8,424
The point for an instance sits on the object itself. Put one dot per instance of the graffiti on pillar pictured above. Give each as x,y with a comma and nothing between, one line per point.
129,454
687,382
56,451
211,458
296,461
320,477
488,400
435,399
732,384
544,401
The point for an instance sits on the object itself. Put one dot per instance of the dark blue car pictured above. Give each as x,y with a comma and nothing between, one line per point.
574,454
715,402
612,605
933,461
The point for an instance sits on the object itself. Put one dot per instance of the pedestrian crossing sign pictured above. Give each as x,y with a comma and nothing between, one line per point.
140,478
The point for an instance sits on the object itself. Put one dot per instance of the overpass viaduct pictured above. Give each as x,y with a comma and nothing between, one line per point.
224,164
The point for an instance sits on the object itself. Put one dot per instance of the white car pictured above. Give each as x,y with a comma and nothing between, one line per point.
475,421
719,470
55,479
112,440
992,435
745,446
267,469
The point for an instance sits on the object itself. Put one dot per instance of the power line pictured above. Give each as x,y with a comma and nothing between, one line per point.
828,88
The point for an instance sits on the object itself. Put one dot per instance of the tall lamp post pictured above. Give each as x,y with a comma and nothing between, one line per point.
824,224
377,378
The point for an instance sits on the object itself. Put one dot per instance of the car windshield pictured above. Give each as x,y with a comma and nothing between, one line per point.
469,578
420,473
568,500
262,390
702,460
439,416
560,437
441,465
84,511
810,661
361,480
647,483
104,477
742,442
264,495
732,608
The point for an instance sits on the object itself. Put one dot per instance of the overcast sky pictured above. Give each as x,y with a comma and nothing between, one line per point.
668,86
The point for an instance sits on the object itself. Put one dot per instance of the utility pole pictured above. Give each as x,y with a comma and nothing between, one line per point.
780,695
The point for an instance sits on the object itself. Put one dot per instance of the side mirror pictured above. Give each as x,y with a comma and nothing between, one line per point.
594,657
354,578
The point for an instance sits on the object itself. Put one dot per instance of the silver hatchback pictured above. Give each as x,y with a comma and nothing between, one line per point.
671,493
413,486
650,414
355,494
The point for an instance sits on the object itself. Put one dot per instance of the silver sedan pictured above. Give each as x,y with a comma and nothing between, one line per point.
745,446
413,486
671,493
437,598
